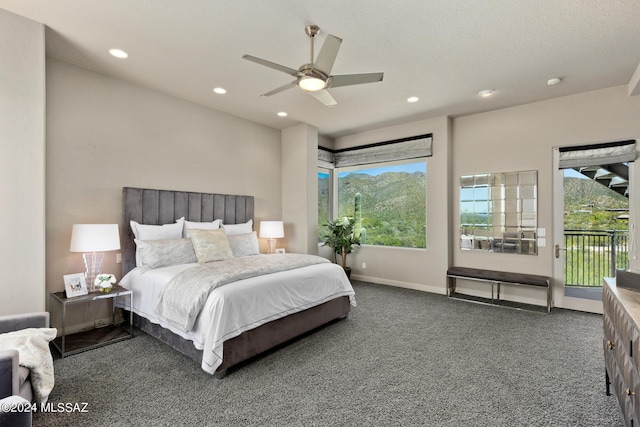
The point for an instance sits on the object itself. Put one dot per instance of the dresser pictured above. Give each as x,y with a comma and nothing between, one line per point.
621,319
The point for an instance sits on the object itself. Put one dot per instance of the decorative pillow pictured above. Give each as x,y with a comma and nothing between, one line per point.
164,252
245,228
188,225
244,244
210,245
157,232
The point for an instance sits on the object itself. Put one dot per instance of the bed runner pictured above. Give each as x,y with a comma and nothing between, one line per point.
182,299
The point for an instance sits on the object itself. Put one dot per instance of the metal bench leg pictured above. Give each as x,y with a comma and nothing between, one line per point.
451,286
549,299
492,283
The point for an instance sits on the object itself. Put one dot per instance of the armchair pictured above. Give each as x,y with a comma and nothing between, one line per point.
14,379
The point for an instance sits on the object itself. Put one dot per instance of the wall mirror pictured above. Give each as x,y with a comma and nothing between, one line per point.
498,212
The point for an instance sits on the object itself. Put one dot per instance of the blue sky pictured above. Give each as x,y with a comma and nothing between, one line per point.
570,173
407,167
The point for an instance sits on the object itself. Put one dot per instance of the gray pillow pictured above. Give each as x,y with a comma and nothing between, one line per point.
244,244
164,252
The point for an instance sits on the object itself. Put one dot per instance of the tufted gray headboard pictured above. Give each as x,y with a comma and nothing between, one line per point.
157,207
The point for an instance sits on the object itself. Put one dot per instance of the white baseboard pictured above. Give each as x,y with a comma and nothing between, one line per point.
416,286
579,304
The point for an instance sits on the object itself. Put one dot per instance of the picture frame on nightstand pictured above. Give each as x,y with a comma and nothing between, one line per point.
75,285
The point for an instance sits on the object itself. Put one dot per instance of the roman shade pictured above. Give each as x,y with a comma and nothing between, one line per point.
388,151
597,154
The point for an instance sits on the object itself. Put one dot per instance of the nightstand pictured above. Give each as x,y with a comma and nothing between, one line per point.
86,340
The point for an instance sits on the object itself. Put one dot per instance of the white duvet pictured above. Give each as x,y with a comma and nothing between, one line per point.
239,306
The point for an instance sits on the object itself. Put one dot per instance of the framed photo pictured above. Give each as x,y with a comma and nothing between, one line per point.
75,285
280,250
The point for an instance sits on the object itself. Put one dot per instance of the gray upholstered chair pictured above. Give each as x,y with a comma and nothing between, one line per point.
15,386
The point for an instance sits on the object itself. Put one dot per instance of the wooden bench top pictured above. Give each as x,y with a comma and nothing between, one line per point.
500,276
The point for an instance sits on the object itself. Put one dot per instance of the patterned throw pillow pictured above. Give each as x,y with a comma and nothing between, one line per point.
210,245
244,244
164,252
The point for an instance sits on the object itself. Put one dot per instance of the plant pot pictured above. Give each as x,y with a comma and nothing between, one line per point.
347,271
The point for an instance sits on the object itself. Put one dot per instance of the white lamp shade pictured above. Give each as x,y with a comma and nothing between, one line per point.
94,238
271,229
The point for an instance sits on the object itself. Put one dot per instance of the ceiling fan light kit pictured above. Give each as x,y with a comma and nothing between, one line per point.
315,77
311,84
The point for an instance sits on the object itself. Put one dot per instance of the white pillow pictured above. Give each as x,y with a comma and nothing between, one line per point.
157,232
244,244
210,245
188,225
164,252
245,228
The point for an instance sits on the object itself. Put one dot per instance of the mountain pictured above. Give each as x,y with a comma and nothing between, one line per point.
587,191
393,206
586,204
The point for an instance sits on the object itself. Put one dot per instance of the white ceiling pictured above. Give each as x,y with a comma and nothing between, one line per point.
442,51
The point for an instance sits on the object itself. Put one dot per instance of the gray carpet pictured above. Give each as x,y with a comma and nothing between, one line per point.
402,358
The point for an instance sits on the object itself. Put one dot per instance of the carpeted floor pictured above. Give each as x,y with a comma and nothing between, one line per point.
402,357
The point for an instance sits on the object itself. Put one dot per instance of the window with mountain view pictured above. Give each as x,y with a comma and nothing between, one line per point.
394,207
324,200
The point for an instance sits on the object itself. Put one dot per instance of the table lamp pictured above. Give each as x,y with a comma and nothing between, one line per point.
93,240
271,230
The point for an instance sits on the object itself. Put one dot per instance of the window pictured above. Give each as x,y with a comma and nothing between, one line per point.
324,200
394,209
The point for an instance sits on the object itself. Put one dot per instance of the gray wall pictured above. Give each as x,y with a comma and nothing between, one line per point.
104,134
423,269
22,148
523,138
510,139
300,188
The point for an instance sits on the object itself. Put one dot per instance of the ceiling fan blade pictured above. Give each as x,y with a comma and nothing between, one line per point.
324,96
354,79
328,53
272,65
281,88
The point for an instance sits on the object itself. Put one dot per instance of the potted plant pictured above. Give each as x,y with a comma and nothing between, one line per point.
344,233
341,239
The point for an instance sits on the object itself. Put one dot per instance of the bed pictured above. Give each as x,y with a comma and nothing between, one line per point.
275,307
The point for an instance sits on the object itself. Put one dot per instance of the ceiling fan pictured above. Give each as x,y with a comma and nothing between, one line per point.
315,78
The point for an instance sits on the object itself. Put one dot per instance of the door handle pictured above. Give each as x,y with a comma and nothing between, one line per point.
558,249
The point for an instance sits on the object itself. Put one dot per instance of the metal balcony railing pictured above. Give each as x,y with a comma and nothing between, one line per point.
591,255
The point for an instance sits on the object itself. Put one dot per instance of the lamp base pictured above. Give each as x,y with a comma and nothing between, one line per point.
92,264
271,246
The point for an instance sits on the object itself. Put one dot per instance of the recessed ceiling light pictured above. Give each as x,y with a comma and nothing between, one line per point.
118,53
487,92
553,81
220,91
282,114
413,99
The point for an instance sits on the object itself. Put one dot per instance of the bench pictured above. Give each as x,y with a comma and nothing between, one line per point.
497,277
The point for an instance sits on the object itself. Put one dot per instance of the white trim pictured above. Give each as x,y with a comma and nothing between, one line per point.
579,304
